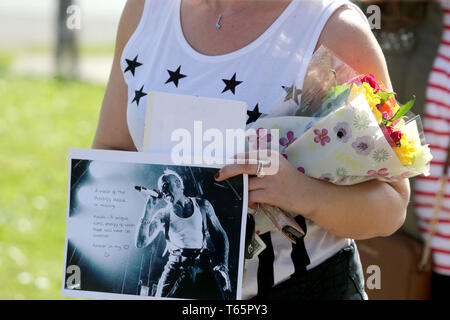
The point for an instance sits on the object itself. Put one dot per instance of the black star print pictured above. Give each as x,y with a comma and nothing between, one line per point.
175,76
292,93
253,115
132,65
138,94
231,84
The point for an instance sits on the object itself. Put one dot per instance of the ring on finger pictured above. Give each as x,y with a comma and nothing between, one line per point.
260,169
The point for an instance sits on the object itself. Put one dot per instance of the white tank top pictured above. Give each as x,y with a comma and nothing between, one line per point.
186,233
158,57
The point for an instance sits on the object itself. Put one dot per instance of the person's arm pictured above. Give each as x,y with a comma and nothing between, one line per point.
112,130
361,211
222,267
350,38
218,229
150,225
347,34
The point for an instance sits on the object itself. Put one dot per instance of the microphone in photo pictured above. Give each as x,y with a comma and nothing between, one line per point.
150,192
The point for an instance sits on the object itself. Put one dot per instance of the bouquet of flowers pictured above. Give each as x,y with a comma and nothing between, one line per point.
349,129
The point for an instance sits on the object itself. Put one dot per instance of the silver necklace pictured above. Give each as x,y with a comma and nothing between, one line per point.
219,19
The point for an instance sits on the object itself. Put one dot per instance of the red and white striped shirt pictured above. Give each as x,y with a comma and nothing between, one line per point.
436,124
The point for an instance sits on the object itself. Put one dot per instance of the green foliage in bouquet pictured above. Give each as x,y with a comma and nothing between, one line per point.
402,111
335,97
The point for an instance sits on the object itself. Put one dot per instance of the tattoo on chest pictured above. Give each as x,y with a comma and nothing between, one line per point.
184,211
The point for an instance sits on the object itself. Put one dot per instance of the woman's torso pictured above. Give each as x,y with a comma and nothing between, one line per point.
263,73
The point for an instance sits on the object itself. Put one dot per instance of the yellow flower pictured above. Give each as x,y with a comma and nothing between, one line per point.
407,151
422,158
400,124
396,108
372,99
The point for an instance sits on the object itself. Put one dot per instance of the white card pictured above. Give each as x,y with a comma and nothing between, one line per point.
171,117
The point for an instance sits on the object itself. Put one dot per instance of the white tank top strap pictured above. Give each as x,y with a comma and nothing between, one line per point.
153,15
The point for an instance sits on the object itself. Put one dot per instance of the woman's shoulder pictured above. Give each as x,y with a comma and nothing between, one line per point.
129,21
345,26
348,34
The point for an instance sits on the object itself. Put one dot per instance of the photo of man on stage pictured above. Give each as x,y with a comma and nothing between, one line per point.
157,231
195,239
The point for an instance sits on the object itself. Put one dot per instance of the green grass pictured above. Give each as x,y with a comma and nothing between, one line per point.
39,120
6,59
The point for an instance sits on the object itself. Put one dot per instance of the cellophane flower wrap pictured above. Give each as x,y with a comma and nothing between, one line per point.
349,129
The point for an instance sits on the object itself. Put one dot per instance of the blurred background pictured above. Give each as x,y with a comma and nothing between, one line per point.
55,60
45,108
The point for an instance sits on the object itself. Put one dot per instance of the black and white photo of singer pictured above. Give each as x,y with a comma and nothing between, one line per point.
186,223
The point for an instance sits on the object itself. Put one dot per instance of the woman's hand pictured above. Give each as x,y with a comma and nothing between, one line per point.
282,186
362,211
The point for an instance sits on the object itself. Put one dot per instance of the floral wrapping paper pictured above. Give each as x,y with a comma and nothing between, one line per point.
345,147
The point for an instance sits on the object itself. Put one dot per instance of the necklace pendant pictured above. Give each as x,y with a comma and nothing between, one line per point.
218,26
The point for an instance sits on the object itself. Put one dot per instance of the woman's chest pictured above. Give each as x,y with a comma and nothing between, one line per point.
213,33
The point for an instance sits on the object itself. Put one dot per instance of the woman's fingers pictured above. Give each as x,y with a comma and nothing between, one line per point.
258,187
255,197
248,166
255,183
235,170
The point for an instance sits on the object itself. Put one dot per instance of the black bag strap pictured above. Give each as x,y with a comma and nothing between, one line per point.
299,254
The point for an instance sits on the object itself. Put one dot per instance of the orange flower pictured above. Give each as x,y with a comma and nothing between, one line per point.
390,107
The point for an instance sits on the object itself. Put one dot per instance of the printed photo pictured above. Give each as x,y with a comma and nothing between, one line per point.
152,230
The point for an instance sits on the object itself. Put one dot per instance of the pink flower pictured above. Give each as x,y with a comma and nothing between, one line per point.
389,130
385,114
341,180
394,123
392,136
285,142
356,80
321,136
370,79
396,136
261,139
387,134
403,175
381,173
326,177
